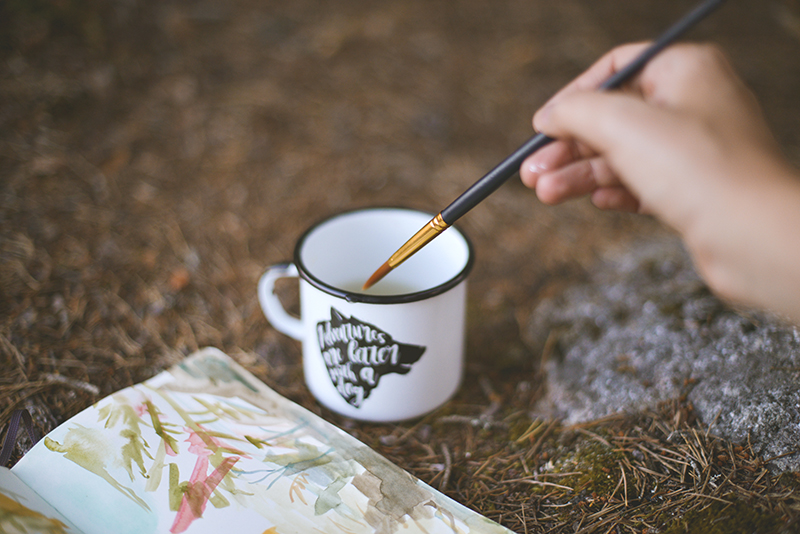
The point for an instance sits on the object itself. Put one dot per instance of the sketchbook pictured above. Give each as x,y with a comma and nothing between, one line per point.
207,447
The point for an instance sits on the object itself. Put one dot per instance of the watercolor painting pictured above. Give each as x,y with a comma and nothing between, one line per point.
206,447
23,512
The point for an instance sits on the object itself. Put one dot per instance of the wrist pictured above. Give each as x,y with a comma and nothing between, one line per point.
746,245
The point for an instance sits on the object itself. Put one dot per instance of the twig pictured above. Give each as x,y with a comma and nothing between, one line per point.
524,522
533,482
595,437
478,422
494,398
71,382
448,464
772,458
709,497
625,483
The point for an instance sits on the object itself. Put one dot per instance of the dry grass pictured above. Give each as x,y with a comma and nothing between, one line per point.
155,157
646,473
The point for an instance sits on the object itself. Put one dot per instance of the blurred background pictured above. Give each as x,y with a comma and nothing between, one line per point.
156,155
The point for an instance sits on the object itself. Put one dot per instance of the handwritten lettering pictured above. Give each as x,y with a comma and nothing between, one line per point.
358,354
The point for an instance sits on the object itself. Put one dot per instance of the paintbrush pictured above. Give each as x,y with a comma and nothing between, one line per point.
509,166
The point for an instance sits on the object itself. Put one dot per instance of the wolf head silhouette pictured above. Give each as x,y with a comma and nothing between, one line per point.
358,355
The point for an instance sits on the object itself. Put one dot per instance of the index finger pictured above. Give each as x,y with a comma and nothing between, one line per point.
611,63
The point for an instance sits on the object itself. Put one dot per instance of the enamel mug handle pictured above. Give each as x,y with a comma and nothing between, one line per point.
273,309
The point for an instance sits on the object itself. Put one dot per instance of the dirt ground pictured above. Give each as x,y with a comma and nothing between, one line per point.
155,156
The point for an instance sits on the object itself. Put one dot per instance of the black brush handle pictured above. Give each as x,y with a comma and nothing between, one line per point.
509,166
493,179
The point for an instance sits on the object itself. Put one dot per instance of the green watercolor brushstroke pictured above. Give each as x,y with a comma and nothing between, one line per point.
119,409
224,410
211,368
329,498
257,443
218,500
23,519
133,452
306,457
160,429
85,447
155,473
175,488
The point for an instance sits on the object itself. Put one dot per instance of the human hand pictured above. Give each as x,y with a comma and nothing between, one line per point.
684,111
684,141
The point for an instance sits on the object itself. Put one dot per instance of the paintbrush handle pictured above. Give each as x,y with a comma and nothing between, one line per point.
509,166
664,40
493,179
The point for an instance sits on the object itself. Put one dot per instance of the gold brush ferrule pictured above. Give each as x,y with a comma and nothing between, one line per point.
425,235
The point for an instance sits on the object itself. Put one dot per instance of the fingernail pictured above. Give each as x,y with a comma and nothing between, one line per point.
536,168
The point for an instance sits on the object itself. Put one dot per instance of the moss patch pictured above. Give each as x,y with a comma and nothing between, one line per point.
719,518
596,467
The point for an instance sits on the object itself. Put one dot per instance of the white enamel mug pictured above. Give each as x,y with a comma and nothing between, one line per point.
393,352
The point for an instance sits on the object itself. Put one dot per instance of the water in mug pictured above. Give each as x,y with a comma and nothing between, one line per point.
384,287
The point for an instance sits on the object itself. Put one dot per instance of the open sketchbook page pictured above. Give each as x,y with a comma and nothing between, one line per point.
206,447
22,511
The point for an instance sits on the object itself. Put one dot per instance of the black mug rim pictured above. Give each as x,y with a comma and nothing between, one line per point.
351,296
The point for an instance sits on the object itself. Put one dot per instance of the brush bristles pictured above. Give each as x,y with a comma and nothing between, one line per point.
382,271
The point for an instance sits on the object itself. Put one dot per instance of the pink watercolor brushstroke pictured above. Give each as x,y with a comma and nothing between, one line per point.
202,443
199,490
201,486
